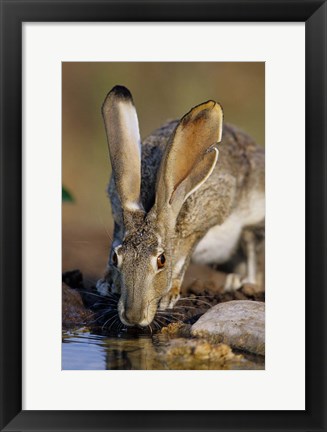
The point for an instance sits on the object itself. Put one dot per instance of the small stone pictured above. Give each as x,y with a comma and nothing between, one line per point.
199,354
176,329
240,324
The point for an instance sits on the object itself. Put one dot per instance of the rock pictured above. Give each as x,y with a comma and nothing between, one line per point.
176,329
74,314
240,324
196,354
198,350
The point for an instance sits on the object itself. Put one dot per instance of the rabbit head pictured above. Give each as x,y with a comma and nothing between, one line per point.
144,260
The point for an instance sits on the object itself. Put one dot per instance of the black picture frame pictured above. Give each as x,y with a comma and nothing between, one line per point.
13,14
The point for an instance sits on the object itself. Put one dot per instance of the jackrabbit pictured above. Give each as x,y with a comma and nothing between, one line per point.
172,201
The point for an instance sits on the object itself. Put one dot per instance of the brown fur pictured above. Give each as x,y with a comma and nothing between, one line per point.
175,158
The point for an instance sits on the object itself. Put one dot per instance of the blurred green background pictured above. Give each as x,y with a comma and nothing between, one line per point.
161,91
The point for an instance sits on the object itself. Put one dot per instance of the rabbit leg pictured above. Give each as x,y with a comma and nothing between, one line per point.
103,287
108,284
235,281
250,251
169,300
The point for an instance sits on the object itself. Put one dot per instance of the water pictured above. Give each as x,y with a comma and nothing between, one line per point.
82,350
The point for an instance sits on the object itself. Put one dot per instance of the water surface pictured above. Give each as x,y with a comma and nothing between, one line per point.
82,350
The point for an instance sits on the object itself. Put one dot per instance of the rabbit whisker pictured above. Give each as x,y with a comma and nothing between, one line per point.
95,294
165,321
172,314
198,301
115,322
113,317
109,314
157,323
161,324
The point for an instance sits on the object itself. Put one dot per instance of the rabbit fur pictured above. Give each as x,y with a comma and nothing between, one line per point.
172,196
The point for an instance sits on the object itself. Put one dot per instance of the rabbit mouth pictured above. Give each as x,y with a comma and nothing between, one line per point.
142,324
130,319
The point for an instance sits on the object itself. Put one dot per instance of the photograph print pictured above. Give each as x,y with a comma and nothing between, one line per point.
163,215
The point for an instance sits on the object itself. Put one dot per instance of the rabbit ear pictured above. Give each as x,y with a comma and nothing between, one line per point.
124,144
190,156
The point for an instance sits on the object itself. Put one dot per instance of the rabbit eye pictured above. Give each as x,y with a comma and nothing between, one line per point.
161,261
114,259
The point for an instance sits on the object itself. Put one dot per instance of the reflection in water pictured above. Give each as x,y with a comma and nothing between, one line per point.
82,350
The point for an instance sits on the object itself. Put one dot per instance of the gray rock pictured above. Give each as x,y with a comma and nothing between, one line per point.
240,324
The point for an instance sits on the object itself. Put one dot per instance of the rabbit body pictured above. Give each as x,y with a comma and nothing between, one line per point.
202,220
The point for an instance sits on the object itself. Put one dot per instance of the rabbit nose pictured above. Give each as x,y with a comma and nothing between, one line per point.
133,317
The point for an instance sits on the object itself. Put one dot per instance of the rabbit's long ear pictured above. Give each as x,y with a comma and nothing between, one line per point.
190,156
124,144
